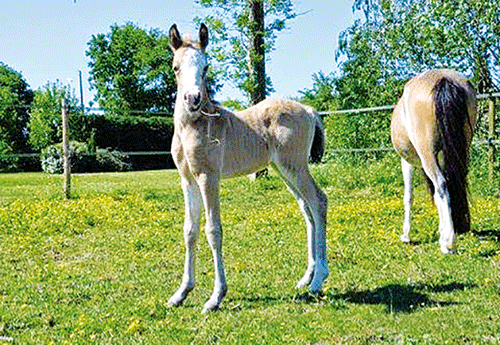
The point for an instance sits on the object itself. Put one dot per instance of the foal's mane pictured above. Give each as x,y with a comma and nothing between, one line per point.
188,42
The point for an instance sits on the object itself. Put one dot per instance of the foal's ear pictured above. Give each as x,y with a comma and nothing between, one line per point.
175,37
203,36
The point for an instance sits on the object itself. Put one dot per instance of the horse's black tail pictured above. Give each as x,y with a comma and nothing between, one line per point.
318,144
450,100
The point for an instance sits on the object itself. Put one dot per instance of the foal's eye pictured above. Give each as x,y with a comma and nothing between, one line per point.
176,69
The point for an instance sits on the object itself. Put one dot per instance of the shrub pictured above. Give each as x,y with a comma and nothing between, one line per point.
82,160
112,160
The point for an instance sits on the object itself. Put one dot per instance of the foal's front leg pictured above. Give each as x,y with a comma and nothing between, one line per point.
192,202
209,187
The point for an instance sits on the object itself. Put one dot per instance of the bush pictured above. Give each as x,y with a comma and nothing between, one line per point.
82,160
112,160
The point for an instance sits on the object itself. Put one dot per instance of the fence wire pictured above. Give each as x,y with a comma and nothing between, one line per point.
489,142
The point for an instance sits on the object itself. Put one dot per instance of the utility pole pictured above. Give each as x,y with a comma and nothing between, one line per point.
66,153
81,92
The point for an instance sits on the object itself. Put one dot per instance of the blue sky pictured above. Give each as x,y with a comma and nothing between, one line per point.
46,40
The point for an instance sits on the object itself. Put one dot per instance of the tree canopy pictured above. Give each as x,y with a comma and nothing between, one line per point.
45,124
131,70
395,39
15,97
243,32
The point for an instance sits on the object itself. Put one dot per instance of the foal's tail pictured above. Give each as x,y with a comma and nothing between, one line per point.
318,144
450,100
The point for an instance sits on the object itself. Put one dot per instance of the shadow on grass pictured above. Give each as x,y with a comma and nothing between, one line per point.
400,298
395,297
493,235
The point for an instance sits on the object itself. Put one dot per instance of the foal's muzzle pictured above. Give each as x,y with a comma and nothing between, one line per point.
192,101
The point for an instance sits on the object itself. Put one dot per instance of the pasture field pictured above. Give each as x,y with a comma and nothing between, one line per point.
99,268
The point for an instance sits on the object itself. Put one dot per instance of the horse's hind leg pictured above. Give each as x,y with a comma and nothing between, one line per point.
442,201
192,201
407,170
313,205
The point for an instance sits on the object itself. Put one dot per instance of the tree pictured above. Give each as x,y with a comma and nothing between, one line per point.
367,79
405,37
131,70
241,39
322,96
15,98
45,124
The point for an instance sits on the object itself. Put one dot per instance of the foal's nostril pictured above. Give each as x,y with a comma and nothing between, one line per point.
192,98
197,99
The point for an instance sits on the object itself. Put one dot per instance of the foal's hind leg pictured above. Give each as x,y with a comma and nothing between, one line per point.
311,239
192,201
313,204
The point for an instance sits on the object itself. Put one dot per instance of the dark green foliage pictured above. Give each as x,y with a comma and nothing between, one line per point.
322,96
394,40
45,121
15,97
131,70
241,37
131,133
128,134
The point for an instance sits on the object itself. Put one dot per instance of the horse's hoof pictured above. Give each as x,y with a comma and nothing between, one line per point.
405,238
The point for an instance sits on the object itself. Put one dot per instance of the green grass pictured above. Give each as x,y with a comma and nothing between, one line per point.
99,269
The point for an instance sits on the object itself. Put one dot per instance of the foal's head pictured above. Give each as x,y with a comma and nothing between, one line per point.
190,67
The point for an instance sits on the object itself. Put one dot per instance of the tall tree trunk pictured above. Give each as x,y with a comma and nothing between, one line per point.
257,62
482,74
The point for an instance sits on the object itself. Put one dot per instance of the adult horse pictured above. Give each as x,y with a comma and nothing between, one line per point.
211,143
432,127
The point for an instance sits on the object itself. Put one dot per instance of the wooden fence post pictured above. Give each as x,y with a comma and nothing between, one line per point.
66,154
491,139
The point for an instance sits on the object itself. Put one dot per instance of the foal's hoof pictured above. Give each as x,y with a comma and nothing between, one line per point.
215,300
446,249
179,297
175,301
209,307
405,238
306,280
317,281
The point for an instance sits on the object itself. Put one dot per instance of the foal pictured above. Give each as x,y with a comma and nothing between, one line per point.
211,143
431,128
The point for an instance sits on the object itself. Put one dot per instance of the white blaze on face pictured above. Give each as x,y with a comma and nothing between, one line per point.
191,70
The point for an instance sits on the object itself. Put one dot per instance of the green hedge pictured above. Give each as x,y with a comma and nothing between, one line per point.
128,134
